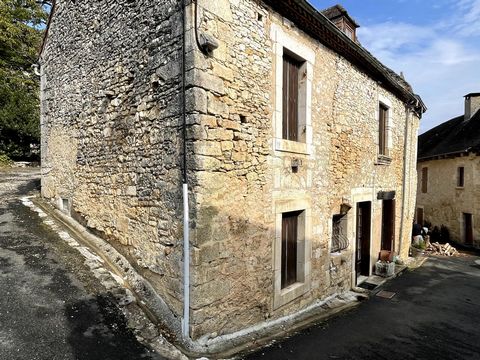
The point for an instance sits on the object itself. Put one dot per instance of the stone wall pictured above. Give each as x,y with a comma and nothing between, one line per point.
244,177
112,150
111,128
444,202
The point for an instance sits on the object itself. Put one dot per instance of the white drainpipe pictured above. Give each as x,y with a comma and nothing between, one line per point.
404,184
186,265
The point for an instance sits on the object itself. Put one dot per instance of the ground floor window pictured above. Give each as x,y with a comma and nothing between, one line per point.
289,247
339,233
292,250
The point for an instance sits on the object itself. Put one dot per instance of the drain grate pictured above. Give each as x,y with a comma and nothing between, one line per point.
386,294
367,285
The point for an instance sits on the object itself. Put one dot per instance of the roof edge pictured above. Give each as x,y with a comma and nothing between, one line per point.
444,155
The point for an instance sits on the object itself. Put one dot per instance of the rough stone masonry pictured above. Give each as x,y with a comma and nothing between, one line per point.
112,149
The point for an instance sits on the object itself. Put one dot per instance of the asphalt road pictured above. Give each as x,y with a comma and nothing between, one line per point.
435,314
51,306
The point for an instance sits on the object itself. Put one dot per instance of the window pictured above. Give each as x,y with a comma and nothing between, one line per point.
291,69
382,131
292,250
289,248
339,233
424,180
292,117
349,32
460,176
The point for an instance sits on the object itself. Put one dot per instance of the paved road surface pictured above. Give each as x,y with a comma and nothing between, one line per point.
435,314
51,307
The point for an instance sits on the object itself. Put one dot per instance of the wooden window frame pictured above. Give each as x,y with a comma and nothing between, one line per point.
290,113
284,293
383,113
290,237
284,42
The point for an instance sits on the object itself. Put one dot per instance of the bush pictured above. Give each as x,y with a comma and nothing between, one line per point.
421,245
5,160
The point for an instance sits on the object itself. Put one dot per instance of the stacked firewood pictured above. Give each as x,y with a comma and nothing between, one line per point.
441,249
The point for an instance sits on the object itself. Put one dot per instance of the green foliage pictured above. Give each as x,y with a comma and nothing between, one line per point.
421,245
20,37
5,160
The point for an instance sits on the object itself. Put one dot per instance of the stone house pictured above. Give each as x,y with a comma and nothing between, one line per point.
247,170
448,166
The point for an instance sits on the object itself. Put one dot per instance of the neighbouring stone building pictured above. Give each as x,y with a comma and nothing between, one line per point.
298,148
448,167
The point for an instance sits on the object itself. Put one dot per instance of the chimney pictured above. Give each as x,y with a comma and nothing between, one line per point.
472,104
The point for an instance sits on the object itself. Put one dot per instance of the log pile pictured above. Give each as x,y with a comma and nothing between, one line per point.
439,249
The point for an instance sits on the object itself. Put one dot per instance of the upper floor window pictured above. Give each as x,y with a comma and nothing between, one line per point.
349,32
382,131
291,77
424,180
460,176
292,119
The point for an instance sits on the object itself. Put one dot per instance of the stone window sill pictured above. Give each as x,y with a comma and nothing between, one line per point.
383,160
291,292
291,146
460,187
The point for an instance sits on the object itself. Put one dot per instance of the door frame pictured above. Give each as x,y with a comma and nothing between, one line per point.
392,217
360,194
368,251
464,228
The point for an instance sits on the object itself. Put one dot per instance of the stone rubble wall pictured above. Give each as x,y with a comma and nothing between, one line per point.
444,203
111,129
241,177
112,147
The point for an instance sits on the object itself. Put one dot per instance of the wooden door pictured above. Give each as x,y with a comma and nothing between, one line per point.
468,227
388,225
362,253
289,248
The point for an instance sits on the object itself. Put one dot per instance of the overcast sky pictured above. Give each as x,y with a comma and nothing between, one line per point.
435,43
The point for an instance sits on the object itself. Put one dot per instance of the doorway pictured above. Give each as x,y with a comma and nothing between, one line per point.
468,228
420,216
362,253
388,224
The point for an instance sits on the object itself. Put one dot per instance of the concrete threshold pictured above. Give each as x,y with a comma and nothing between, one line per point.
220,347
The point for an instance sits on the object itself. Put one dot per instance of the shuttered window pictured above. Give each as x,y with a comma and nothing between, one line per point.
382,133
291,69
289,248
424,180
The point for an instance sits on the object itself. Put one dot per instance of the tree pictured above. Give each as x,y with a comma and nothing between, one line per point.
21,23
